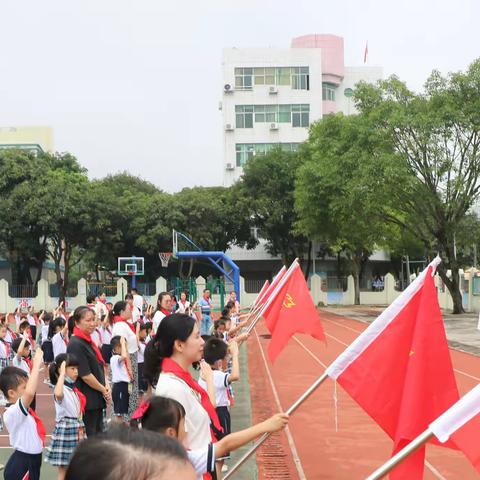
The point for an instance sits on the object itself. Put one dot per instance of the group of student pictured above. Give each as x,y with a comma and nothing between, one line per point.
139,359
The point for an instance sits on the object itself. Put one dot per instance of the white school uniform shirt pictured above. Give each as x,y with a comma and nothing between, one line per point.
122,329
136,313
18,320
31,320
203,460
106,334
183,307
197,421
58,344
100,309
3,349
220,382
44,332
138,302
9,336
157,319
21,363
22,429
141,352
69,405
119,369
96,338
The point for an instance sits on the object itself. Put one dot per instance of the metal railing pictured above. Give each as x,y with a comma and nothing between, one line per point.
22,291
253,285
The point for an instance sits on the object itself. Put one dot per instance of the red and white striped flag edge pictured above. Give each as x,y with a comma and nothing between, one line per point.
272,286
461,423
363,341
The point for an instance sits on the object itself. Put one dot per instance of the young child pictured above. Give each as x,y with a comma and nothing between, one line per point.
32,321
22,358
10,335
46,339
58,332
106,331
121,376
24,328
167,416
27,432
5,348
215,352
142,344
69,408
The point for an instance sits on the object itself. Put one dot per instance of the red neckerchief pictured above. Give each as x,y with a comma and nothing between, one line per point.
81,398
12,333
78,333
118,319
42,433
102,301
64,338
28,361
91,306
170,366
165,311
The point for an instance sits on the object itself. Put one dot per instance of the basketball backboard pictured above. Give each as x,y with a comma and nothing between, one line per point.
128,266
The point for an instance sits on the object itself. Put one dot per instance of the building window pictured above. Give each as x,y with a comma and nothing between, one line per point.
244,116
300,78
243,78
298,115
328,92
246,151
296,77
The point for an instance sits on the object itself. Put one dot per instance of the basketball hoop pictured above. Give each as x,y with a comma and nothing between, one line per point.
165,258
130,274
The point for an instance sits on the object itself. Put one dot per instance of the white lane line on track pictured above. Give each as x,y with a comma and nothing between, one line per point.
360,331
427,464
291,443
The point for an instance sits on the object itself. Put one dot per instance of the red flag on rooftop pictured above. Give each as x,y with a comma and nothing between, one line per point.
462,423
399,369
292,311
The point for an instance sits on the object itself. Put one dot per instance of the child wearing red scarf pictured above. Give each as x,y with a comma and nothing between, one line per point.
27,432
69,408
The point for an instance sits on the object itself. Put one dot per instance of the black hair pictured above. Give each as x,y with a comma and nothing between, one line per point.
128,296
91,298
47,317
160,298
16,343
76,316
186,294
177,326
11,378
125,453
148,326
58,322
133,289
214,350
219,323
54,369
162,413
206,290
117,308
100,293
226,312
143,326
23,326
115,342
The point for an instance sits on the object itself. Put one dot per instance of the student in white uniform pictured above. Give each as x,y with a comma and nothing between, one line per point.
164,305
137,300
26,430
21,347
121,315
121,377
167,416
59,334
168,357
69,408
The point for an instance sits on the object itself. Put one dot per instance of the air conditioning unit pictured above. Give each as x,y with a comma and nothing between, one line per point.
230,166
273,90
227,88
274,126
229,127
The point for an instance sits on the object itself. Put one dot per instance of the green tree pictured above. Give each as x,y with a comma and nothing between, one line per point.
432,179
332,201
267,188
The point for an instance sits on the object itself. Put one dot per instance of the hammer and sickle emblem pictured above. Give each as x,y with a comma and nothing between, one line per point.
288,302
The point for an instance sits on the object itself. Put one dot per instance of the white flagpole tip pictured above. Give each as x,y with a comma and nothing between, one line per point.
435,263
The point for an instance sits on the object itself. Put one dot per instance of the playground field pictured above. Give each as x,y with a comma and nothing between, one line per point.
312,448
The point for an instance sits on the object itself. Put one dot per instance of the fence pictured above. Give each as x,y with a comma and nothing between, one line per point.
333,290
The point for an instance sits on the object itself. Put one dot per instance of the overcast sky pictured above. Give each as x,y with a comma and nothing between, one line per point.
135,84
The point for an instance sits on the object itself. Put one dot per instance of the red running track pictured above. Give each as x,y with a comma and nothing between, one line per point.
316,450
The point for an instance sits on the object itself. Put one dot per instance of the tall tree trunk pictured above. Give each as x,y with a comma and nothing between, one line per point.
309,260
453,286
356,279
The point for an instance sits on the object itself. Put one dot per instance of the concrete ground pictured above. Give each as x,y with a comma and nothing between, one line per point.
462,331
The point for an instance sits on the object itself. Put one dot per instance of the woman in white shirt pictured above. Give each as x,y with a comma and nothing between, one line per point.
121,318
168,358
164,305
183,305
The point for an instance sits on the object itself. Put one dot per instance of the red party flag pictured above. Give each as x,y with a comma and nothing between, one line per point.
272,286
292,311
399,369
